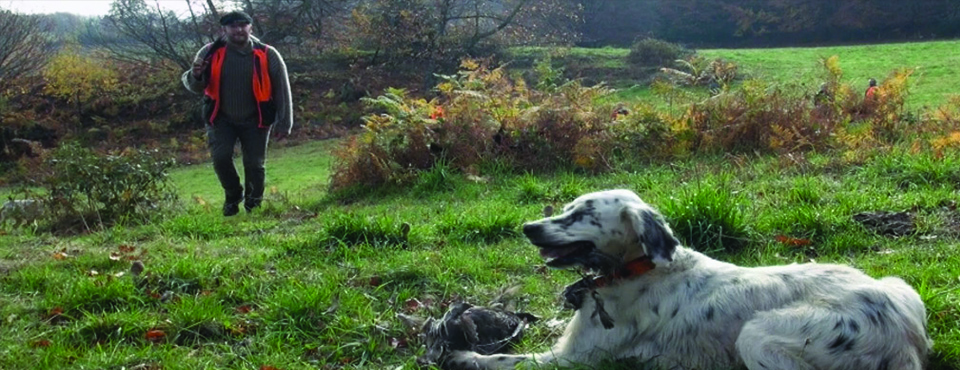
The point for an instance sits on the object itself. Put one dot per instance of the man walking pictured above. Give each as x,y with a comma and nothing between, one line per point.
246,95
871,93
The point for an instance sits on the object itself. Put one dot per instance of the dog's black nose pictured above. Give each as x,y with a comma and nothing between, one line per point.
532,230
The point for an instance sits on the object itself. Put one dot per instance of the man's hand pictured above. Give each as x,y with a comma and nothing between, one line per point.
198,68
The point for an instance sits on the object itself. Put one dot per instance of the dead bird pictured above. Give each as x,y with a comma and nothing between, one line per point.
466,327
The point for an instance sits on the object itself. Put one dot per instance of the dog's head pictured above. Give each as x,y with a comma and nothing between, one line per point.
600,231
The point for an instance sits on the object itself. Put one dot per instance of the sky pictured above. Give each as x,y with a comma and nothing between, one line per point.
79,7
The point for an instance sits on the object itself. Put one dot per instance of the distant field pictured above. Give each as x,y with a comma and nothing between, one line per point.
937,65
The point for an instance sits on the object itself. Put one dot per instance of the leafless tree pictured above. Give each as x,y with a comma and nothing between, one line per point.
295,21
448,29
150,33
23,47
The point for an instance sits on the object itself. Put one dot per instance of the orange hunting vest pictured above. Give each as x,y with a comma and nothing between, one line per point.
262,89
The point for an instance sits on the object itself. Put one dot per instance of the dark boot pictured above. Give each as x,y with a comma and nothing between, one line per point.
253,144
249,204
231,208
222,138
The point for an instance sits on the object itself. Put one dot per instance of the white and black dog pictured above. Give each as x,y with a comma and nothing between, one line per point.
671,307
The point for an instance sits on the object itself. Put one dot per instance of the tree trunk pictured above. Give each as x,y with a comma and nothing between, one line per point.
196,26
213,9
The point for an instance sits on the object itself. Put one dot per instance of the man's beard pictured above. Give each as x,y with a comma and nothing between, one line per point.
239,39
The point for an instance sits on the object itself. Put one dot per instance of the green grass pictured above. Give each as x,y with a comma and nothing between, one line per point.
933,83
934,63
301,171
283,288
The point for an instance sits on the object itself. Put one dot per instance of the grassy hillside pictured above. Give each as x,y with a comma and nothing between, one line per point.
936,64
290,289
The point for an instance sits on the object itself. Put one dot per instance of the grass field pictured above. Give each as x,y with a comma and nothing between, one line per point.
934,80
315,281
285,289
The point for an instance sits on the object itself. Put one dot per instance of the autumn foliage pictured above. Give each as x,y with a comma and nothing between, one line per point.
481,116
485,119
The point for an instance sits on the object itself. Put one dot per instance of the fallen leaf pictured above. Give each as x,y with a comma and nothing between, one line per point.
268,367
126,248
56,311
155,335
238,330
59,256
375,281
245,309
796,242
412,305
43,343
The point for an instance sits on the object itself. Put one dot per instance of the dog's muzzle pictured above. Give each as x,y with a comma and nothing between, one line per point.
558,253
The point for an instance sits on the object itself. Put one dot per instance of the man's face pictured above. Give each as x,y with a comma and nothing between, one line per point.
237,32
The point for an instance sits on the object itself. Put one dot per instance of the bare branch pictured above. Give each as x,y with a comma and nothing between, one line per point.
22,48
156,35
213,9
503,24
196,26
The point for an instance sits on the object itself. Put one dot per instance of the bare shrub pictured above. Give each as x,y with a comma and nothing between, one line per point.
23,47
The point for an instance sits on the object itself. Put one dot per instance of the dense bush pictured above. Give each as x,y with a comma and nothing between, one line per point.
89,190
651,52
482,118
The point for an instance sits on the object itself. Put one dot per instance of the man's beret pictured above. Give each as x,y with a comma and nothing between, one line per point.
236,16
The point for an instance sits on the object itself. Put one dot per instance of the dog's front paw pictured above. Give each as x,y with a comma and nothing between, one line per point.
462,360
468,360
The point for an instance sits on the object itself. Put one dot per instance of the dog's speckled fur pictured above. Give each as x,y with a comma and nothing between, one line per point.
694,312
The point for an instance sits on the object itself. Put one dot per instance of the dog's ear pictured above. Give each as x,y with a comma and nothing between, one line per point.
655,236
